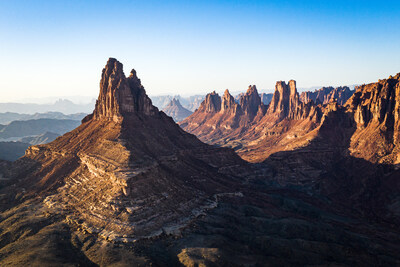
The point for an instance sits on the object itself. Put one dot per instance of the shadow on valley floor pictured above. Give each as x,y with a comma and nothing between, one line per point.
354,186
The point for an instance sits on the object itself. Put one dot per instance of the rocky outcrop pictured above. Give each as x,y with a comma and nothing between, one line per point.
250,101
265,98
340,94
211,104
217,117
175,110
376,109
253,126
284,100
228,104
327,94
319,96
286,104
120,96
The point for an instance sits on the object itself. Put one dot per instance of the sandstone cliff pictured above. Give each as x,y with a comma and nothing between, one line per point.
376,109
286,104
217,117
212,103
327,94
120,96
246,126
250,101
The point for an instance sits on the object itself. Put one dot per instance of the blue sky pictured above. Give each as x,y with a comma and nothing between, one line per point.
58,48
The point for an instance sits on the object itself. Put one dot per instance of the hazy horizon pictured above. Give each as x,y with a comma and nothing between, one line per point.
190,48
82,99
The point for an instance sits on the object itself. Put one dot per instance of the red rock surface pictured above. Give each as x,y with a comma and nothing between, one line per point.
119,95
376,109
327,94
254,127
219,117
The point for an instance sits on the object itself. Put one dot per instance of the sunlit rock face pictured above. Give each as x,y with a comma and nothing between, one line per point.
376,109
286,104
223,116
250,101
327,94
291,121
120,96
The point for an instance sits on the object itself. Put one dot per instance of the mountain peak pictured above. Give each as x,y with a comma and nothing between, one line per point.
326,94
250,101
293,88
175,101
120,96
226,93
175,110
212,103
285,102
228,102
252,89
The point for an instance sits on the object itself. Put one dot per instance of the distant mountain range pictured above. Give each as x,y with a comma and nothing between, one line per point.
45,138
17,136
62,105
191,102
36,127
176,111
8,117
12,150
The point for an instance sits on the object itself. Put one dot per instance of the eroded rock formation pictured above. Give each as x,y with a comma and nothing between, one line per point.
253,127
217,117
250,101
286,104
326,94
120,96
212,103
228,103
376,109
